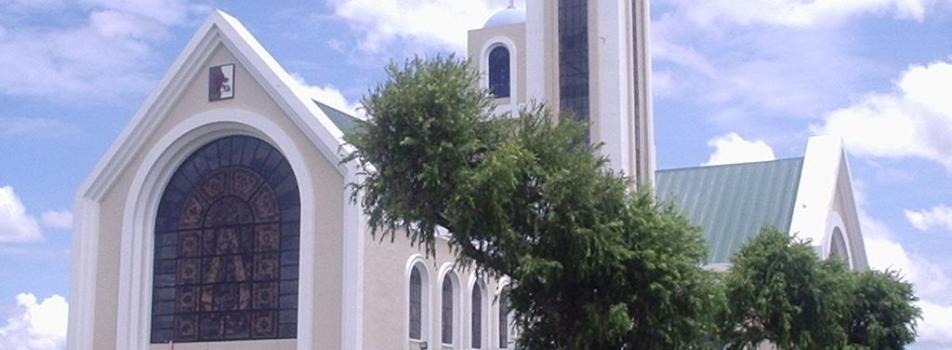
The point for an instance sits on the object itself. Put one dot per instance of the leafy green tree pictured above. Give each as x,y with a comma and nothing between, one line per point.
882,314
593,265
778,291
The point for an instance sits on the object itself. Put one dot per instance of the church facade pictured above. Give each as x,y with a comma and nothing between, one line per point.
220,217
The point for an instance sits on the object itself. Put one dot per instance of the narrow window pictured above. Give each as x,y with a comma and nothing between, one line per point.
499,71
503,320
447,327
477,316
416,306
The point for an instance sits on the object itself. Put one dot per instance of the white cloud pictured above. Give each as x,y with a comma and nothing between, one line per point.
797,13
110,53
938,216
930,282
913,121
439,24
22,6
329,95
57,219
936,331
36,326
763,74
731,148
34,127
166,12
15,224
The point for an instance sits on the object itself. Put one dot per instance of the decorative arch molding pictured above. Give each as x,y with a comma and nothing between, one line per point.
502,321
835,224
447,271
838,246
142,201
510,45
418,261
478,283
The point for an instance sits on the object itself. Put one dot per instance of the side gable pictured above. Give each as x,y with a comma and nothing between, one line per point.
810,197
825,200
218,29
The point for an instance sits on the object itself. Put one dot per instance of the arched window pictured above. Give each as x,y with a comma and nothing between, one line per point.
226,246
838,246
503,319
477,316
416,304
499,71
448,306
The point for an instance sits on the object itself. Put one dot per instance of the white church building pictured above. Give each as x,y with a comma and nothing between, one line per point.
220,217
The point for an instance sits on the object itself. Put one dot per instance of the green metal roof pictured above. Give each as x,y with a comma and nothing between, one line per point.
345,122
733,202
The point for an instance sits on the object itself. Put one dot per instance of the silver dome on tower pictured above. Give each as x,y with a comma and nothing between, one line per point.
510,15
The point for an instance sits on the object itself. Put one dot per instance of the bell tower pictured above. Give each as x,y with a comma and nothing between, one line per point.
498,49
590,58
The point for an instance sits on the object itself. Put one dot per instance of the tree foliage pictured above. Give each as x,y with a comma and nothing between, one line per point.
882,314
593,265
778,291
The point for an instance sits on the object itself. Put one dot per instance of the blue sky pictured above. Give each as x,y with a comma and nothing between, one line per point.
733,81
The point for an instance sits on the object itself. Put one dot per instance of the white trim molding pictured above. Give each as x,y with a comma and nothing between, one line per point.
426,277
536,49
834,223
447,270
352,298
489,45
83,275
501,285
219,29
825,189
484,310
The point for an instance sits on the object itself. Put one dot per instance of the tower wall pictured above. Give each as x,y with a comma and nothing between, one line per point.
609,87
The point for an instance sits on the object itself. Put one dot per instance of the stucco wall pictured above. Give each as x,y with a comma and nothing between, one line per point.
386,288
480,39
328,186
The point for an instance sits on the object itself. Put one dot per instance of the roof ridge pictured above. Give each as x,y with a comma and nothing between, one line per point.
729,165
333,108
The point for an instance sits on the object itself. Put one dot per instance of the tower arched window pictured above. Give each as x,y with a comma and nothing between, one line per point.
416,304
499,71
226,246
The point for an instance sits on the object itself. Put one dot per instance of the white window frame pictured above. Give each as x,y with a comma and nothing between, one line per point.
446,271
419,262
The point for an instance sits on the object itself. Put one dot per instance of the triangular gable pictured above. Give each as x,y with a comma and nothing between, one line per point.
825,199
218,28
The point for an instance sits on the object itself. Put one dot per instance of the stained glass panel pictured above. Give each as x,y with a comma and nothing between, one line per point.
416,306
226,246
447,308
499,71
477,319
